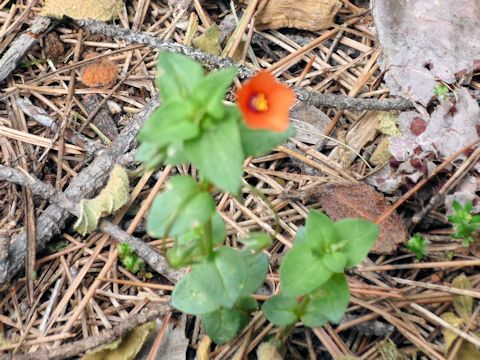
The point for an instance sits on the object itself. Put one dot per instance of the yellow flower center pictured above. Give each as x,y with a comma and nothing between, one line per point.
259,102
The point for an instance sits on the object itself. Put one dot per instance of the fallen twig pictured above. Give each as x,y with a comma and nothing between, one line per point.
150,256
81,346
215,62
20,46
475,340
84,185
422,182
462,170
48,192
91,147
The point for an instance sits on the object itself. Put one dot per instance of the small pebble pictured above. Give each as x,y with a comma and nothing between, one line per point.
113,107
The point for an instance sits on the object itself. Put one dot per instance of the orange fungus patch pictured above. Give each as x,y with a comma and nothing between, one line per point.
99,74
265,103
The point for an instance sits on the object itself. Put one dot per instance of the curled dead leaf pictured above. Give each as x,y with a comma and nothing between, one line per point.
125,347
463,304
203,350
341,201
268,351
99,74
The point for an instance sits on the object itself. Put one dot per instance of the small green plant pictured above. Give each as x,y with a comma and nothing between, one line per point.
441,91
417,245
129,259
464,223
194,126
314,288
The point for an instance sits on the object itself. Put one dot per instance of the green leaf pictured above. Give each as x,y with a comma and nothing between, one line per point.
281,310
261,142
320,232
246,304
177,76
149,154
209,94
173,121
223,277
359,235
313,319
189,297
330,302
335,262
112,197
218,155
182,206
187,248
183,255
256,241
219,232
257,268
223,324
457,206
302,272
176,154
301,237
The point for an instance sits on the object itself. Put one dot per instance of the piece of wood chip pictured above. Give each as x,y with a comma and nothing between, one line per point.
312,15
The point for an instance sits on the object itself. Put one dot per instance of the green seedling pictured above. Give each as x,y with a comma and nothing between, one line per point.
465,224
129,259
441,91
417,245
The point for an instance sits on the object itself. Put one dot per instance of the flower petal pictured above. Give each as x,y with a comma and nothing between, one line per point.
279,99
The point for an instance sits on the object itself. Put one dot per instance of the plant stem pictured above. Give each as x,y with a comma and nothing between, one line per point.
207,240
303,305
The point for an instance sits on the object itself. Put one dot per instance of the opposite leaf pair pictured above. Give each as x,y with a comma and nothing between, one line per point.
219,290
313,269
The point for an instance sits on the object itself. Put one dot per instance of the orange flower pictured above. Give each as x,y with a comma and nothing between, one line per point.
264,102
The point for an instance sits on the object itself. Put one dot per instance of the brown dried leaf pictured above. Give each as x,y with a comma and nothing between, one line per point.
54,48
382,153
312,15
361,201
102,10
209,41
